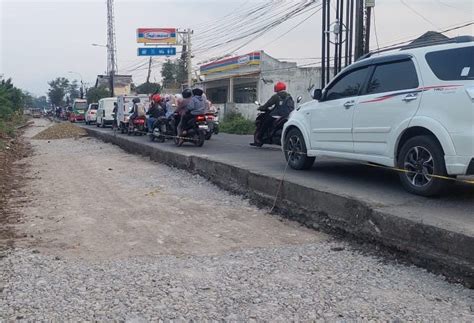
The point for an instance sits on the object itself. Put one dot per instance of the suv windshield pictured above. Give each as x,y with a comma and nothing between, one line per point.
452,64
94,106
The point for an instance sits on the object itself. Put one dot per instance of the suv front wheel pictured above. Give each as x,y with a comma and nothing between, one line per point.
295,150
420,158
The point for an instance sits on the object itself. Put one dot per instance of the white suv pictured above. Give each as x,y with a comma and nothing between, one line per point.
412,109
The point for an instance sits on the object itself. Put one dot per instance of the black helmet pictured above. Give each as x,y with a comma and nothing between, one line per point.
198,92
136,100
187,93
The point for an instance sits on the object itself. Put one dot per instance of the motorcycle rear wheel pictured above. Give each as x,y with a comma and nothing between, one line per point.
199,139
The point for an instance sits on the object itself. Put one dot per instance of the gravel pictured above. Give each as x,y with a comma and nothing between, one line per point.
138,254
286,283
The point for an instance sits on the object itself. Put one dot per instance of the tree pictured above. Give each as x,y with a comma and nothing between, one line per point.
94,94
57,90
168,73
41,102
181,71
73,90
174,73
148,88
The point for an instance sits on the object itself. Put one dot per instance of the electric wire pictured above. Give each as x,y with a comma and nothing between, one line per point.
419,14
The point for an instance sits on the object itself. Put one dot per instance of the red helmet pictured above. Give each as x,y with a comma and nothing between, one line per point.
280,86
156,98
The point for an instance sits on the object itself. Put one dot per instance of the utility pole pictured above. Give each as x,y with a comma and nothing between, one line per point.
369,4
111,50
189,65
149,71
359,29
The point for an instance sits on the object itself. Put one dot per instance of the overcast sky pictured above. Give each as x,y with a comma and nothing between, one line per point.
41,40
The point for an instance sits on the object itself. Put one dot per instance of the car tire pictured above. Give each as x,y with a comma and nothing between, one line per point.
295,150
102,124
420,157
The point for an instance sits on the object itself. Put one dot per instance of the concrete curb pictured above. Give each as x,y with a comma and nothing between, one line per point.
439,250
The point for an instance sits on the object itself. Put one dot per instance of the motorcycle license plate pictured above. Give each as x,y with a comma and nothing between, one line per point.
204,127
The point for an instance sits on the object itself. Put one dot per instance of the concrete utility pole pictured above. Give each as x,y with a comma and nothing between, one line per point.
111,50
149,71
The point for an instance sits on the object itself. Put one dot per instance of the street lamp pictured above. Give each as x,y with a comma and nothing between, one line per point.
82,83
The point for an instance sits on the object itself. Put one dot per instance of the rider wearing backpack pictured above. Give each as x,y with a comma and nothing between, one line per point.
279,105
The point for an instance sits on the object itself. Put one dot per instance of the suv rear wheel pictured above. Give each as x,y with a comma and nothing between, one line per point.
295,150
421,157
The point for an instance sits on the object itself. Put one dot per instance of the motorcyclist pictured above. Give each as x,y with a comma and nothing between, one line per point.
195,107
279,105
156,111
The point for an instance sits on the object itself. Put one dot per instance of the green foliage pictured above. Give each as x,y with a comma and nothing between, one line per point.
174,73
57,90
148,88
12,101
40,102
73,90
235,123
94,94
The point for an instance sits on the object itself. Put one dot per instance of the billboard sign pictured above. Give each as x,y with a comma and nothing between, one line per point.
157,51
156,35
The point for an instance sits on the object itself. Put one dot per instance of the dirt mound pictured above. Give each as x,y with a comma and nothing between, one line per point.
61,131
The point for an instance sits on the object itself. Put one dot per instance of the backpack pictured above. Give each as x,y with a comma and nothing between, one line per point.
140,109
284,107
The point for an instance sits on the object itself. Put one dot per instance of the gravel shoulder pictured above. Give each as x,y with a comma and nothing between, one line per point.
108,235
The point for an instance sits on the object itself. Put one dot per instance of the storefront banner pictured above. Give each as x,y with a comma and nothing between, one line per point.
231,63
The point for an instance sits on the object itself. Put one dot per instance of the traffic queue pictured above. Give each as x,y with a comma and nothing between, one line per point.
183,117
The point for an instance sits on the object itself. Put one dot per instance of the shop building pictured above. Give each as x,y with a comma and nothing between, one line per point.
235,83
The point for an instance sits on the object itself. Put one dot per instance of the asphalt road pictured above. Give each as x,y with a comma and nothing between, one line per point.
378,187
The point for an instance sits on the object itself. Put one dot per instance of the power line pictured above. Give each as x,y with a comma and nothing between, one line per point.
293,28
419,14
429,43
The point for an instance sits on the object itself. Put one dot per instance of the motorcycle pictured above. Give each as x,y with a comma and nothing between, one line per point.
272,135
194,131
163,128
136,126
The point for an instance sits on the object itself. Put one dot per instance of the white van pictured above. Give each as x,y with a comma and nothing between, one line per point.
105,112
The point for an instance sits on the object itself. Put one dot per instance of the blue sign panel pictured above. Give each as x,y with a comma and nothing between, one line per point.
157,51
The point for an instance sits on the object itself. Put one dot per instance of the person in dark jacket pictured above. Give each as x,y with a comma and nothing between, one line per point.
156,111
279,105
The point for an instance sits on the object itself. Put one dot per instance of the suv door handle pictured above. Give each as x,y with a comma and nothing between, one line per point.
410,97
349,104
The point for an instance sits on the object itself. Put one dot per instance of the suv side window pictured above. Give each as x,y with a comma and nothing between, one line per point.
452,64
348,85
393,77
